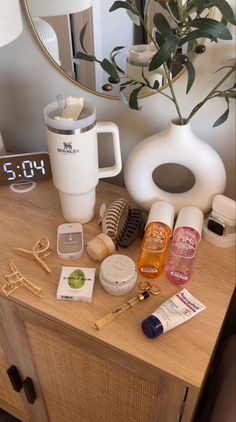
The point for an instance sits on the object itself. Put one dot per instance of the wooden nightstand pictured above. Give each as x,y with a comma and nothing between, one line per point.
114,375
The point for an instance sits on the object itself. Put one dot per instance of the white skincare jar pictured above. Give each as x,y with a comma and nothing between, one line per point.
118,274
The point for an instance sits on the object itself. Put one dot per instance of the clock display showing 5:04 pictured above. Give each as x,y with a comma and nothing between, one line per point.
24,167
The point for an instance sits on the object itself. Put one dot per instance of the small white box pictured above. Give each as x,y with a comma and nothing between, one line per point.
76,284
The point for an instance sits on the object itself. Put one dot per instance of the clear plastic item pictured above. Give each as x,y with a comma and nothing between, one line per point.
183,249
156,238
70,243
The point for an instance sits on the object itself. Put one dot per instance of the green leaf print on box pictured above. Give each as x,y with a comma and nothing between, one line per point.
76,279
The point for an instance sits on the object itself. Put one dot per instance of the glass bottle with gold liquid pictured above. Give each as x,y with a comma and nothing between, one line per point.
156,238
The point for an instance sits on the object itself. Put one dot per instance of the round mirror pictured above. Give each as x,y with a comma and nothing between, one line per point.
57,25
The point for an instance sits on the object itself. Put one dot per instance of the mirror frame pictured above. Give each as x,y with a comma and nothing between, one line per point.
62,71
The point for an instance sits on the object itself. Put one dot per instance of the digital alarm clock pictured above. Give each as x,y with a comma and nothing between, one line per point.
31,166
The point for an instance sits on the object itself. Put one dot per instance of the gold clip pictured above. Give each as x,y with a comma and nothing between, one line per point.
16,280
40,251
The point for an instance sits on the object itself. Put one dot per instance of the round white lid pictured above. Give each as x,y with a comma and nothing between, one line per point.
117,269
162,212
190,216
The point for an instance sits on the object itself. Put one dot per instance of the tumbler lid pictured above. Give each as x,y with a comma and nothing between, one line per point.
86,121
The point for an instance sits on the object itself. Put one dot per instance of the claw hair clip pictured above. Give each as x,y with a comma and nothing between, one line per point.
15,280
110,217
132,228
40,251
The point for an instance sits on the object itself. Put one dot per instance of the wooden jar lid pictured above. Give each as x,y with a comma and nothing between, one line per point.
100,247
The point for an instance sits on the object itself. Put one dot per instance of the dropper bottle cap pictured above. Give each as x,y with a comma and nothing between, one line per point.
190,216
162,212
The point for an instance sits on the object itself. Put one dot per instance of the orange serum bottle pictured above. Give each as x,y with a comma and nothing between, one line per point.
156,238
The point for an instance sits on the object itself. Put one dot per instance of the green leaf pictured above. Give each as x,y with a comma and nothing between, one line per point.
116,49
162,24
109,68
200,6
133,99
122,5
191,75
174,9
222,118
197,6
172,5
131,11
164,53
159,38
225,10
192,44
86,57
212,27
113,55
134,17
118,68
224,21
198,33
81,37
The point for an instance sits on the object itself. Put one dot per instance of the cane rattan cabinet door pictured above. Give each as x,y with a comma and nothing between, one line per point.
79,386
10,400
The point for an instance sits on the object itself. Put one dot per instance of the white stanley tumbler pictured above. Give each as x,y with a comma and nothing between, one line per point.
73,150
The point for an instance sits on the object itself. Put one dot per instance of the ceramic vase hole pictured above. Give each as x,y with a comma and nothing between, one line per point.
173,178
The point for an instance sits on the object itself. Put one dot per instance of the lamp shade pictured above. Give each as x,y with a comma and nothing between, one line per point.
10,21
57,7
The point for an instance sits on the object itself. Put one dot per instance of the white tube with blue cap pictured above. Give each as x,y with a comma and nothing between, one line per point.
173,312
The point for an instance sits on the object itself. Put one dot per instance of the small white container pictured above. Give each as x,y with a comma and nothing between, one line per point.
118,274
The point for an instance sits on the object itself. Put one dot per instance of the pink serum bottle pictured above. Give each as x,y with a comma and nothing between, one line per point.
183,248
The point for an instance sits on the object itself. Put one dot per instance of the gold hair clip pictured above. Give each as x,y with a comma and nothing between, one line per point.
16,280
40,251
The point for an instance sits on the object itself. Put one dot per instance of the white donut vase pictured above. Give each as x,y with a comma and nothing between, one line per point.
178,145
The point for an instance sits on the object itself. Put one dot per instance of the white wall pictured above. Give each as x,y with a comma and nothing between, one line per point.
28,82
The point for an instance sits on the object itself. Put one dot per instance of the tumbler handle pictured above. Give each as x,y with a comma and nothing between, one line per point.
107,127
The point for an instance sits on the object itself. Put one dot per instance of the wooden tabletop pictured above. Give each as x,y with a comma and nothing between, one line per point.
182,353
